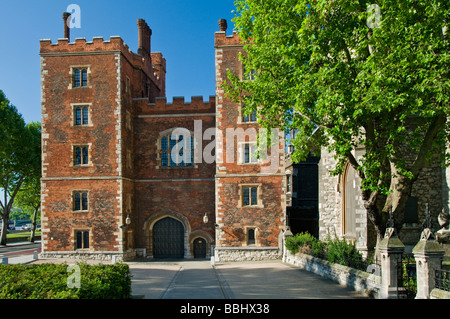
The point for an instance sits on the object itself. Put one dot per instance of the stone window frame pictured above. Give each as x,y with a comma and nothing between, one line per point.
129,203
128,86
129,159
167,133
255,230
241,154
259,203
72,76
128,121
75,241
81,210
74,106
73,156
242,73
241,116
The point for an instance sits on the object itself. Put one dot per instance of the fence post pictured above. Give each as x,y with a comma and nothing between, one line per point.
391,249
429,255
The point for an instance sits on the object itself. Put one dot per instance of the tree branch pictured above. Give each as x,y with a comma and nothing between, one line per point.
435,126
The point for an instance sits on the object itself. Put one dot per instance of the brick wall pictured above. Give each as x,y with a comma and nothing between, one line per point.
237,222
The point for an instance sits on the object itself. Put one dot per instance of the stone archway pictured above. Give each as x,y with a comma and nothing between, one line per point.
170,225
168,238
205,238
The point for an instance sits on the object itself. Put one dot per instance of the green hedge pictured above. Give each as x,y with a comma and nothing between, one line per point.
49,281
335,251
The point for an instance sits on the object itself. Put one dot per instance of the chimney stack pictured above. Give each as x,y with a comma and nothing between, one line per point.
223,25
66,16
145,34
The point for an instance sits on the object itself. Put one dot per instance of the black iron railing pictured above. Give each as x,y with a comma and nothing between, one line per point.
442,278
409,276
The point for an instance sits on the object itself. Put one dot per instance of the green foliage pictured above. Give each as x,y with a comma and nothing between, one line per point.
409,276
20,156
294,243
335,251
344,253
49,281
321,70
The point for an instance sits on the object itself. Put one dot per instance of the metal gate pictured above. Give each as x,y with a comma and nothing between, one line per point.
199,248
168,239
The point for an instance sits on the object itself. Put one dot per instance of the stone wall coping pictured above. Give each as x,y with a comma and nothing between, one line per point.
439,294
247,248
358,280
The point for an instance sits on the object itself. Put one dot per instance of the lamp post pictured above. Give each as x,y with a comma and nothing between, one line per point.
127,222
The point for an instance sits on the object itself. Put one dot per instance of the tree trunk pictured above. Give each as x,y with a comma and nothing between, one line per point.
4,230
33,225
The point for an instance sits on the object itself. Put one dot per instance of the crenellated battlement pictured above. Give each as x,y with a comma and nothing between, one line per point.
97,45
222,39
115,43
178,105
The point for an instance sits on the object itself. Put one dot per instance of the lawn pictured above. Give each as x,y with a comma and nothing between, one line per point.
24,234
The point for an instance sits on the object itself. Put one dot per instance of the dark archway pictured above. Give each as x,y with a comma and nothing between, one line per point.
168,239
199,248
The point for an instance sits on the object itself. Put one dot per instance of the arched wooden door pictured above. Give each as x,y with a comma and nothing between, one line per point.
168,239
199,248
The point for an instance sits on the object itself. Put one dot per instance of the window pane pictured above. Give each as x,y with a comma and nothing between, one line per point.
164,143
84,77
190,152
76,78
172,161
246,196
164,159
254,196
86,239
77,202
251,236
181,159
173,142
245,118
77,155
246,153
79,239
78,116
253,117
84,202
85,155
85,116
253,155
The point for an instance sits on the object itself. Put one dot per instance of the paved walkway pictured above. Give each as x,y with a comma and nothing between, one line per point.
198,279
249,280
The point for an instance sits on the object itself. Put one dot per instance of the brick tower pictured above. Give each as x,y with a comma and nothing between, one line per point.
250,198
126,173
88,142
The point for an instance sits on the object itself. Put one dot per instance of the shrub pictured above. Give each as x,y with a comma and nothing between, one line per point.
335,251
48,281
345,253
295,243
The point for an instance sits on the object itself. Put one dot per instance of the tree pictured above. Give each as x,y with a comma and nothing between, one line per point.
327,70
19,156
29,195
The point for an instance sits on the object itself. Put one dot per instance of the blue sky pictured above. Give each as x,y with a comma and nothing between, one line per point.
182,30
